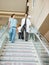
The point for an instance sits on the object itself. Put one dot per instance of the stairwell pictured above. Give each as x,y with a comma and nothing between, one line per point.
24,53
19,53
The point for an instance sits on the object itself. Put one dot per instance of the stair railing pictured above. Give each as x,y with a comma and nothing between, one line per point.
37,34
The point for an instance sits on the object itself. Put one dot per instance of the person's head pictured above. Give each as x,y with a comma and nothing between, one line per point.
13,16
19,24
29,16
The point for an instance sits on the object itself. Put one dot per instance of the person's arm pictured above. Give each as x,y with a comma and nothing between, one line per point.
16,24
22,22
8,24
30,24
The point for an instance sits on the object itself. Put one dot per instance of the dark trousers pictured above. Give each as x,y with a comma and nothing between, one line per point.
19,35
26,36
22,35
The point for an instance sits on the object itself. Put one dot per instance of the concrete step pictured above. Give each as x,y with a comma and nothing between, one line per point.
24,45
23,53
21,59
19,54
17,63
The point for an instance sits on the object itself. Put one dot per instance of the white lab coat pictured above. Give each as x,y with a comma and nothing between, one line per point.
28,23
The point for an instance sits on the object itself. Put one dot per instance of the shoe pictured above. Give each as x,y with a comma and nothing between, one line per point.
12,42
9,39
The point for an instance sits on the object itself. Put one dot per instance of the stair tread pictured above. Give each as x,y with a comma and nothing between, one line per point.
19,63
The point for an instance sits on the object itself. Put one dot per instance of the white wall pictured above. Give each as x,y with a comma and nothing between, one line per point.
39,11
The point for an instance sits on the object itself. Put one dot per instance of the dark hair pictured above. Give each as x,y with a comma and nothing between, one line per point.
19,24
12,15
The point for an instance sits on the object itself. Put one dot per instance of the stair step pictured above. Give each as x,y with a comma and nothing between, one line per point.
18,63
20,42
26,51
14,48
26,54
18,46
25,59
18,55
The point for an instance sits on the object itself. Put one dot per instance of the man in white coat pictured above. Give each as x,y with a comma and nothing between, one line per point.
28,24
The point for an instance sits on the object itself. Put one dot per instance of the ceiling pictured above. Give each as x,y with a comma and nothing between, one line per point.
13,5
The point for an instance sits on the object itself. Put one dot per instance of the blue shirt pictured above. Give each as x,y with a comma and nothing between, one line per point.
13,22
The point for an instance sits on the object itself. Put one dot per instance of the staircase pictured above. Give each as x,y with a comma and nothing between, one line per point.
19,53
24,53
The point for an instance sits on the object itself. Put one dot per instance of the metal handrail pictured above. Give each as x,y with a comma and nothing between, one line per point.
37,33
42,43
3,33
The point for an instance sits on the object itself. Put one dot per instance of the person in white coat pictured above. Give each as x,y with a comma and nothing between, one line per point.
28,24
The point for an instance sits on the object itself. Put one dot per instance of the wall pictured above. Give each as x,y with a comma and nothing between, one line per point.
47,36
4,20
45,26
39,11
